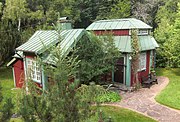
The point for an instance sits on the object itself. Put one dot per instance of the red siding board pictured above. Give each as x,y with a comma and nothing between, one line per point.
19,73
30,56
114,32
144,72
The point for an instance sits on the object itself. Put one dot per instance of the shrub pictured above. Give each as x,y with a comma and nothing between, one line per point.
109,96
96,93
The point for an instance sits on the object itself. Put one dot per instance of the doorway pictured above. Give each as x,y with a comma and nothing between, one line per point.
119,71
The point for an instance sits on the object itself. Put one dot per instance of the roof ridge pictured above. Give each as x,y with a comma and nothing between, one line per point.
123,19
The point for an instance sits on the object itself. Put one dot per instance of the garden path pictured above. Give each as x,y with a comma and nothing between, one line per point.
143,101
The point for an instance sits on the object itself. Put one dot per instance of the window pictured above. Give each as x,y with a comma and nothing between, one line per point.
143,32
142,61
34,71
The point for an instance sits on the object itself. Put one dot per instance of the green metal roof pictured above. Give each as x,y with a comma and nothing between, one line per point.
43,39
116,24
123,43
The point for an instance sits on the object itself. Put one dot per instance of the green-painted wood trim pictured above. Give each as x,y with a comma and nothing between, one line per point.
128,71
43,80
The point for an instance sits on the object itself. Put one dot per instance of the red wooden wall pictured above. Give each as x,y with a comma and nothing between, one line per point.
114,32
144,72
18,68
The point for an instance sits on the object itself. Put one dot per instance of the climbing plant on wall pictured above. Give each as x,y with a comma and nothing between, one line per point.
135,56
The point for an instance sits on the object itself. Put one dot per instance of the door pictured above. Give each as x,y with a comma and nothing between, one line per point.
119,71
19,73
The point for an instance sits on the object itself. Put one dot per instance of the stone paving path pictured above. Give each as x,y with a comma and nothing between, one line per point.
143,101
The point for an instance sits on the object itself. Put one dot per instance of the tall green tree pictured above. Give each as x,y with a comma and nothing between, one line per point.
97,56
114,9
59,101
165,33
172,45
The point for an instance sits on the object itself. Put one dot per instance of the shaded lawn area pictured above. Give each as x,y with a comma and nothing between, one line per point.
170,96
7,83
118,114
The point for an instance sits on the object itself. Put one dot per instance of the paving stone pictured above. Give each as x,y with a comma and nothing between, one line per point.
153,114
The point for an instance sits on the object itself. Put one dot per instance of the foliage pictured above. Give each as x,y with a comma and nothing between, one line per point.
6,107
118,114
135,56
145,10
97,55
15,10
167,35
59,101
171,94
0,7
6,110
109,96
8,41
114,9
90,92
97,94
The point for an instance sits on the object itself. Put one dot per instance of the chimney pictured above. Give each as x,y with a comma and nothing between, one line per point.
64,23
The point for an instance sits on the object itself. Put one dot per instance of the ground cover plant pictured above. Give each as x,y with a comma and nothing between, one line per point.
170,96
97,94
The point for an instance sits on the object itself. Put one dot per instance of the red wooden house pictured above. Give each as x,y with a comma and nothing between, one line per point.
24,61
121,30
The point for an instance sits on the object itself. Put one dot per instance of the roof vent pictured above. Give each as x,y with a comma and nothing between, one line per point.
64,23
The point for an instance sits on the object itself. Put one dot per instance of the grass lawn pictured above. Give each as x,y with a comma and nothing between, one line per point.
118,114
170,96
7,83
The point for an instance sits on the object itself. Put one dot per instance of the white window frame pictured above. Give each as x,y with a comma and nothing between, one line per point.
33,70
142,61
143,32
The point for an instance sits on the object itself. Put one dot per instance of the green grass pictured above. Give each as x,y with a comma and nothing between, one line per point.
7,83
118,114
170,96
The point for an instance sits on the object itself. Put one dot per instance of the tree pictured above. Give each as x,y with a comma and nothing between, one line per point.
7,106
165,34
114,9
59,102
172,46
98,55
145,10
